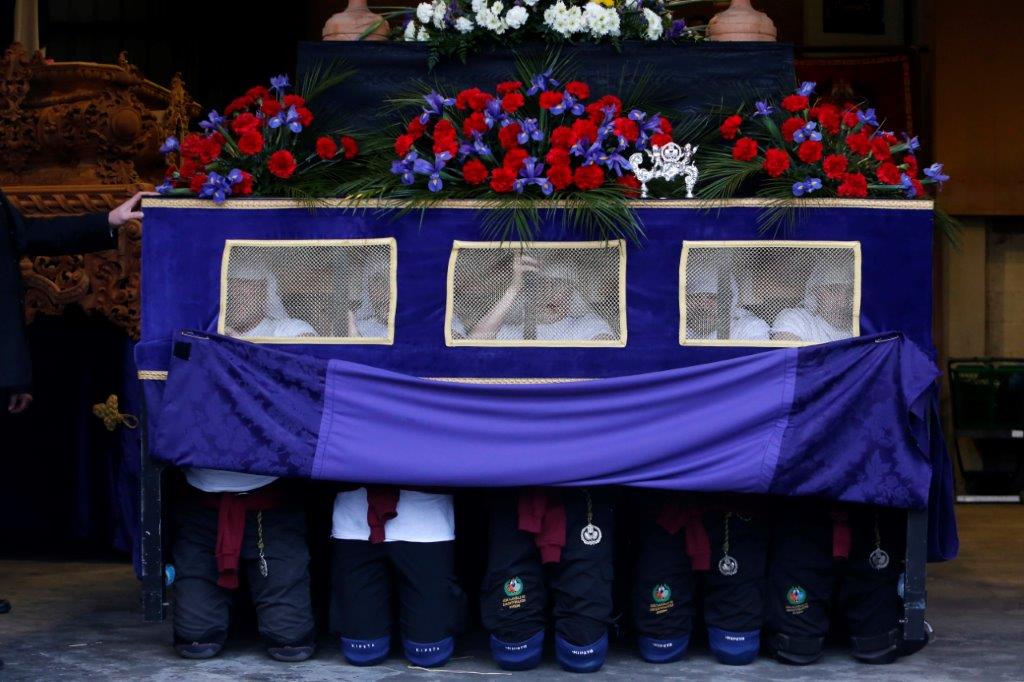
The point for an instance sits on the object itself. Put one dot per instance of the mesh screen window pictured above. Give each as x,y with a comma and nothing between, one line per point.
768,293
536,294
309,291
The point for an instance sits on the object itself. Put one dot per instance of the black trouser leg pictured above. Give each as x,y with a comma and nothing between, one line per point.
284,611
663,589
202,609
581,582
360,590
431,603
801,579
735,601
512,601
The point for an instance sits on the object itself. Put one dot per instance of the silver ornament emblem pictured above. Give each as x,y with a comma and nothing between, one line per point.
728,566
590,535
264,571
669,162
879,559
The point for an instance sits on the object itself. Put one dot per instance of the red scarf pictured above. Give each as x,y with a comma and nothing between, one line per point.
674,516
542,513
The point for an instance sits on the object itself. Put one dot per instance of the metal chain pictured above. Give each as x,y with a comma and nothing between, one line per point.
590,507
725,543
260,545
878,533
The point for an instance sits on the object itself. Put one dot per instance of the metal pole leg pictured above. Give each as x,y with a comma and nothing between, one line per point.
153,597
915,595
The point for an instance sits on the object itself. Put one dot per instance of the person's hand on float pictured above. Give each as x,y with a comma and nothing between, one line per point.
489,324
19,402
127,211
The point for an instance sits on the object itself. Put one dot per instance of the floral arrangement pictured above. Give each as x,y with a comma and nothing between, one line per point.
455,27
261,145
519,144
798,148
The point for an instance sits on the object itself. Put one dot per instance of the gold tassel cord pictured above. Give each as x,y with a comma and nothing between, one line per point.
112,416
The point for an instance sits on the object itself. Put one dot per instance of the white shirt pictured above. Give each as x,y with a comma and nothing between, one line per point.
807,326
371,328
422,517
216,480
584,328
744,326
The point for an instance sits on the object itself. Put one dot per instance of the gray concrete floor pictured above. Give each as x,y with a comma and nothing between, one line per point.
79,621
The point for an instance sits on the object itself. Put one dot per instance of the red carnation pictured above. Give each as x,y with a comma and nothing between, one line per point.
509,86
244,186
282,164
584,129
626,128
562,136
550,99
578,89
326,148
776,162
809,151
237,104
197,182
595,110
514,159
850,119
444,130
557,156
665,125
474,98
588,177
919,191
251,142
794,103
853,185
188,168
910,161
880,149
507,136
474,122
257,92
888,173
245,122
271,107
859,143
416,128
305,115
731,126
835,166
403,144
790,126
474,172
660,139
745,149
828,117
631,184
293,101
502,180
447,144
350,146
560,176
511,102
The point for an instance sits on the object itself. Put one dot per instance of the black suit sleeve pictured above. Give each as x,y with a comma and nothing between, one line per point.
59,236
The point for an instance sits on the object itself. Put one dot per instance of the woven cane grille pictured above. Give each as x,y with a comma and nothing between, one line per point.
328,291
540,294
769,293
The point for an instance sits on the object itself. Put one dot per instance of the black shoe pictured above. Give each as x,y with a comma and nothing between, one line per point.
5,606
290,654
197,650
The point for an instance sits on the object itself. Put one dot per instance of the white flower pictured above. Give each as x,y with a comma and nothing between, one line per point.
530,3
490,18
463,25
410,31
601,21
422,36
655,27
563,20
424,12
439,11
516,17
478,5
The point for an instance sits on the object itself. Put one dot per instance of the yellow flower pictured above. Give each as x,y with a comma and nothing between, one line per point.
606,3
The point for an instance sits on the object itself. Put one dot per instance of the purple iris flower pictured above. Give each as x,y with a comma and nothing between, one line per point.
212,122
493,113
279,83
868,117
235,176
616,162
532,174
165,187
542,82
477,146
424,167
934,172
808,132
404,167
913,144
169,145
806,186
649,125
677,29
435,105
216,187
529,130
569,103
763,108
806,88
908,186
288,118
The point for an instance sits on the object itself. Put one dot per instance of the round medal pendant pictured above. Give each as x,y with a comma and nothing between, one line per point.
728,566
879,559
590,535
